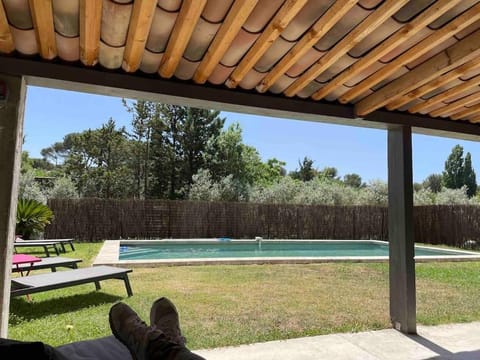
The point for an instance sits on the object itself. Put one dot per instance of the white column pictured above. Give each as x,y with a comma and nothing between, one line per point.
11,126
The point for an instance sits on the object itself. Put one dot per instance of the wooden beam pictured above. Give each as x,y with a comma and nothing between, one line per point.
400,230
354,37
236,17
444,96
473,110
463,51
138,30
6,39
182,32
389,44
474,119
273,30
42,16
454,106
314,34
434,84
90,25
456,25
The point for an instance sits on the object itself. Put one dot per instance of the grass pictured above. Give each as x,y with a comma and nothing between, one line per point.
230,305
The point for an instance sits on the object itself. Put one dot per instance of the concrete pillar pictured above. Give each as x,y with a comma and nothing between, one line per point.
11,125
400,230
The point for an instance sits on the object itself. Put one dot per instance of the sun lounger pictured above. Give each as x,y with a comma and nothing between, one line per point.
61,279
46,245
55,244
48,263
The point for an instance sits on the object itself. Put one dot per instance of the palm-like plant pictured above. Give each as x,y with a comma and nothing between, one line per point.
32,217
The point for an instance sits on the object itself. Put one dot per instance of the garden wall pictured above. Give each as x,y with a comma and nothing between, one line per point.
98,219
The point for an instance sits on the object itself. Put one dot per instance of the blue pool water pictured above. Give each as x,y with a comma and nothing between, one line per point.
270,249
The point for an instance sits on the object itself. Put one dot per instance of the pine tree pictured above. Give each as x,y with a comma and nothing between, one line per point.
469,176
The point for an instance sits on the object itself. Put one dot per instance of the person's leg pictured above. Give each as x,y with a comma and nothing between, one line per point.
13,349
164,316
144,342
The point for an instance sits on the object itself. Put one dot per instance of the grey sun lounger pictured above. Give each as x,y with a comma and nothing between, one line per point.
56,245
61,279
48,263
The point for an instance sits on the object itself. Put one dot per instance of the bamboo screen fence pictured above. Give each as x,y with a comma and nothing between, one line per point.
99,219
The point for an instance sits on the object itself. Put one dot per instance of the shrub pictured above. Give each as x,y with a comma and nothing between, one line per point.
32,217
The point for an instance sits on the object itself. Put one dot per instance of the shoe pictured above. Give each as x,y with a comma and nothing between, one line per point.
164,316
131,331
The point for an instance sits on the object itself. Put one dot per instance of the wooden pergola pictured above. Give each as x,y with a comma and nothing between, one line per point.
397,65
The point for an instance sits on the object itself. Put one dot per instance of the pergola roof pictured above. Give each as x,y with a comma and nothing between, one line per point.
414,57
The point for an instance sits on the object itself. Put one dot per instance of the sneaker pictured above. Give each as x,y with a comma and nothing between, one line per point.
132,331
164,317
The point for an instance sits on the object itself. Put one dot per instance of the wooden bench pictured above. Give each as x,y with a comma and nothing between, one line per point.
61,279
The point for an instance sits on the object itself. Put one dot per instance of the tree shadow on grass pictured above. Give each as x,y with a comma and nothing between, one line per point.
22,310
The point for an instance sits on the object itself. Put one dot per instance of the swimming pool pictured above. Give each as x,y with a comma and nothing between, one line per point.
208,251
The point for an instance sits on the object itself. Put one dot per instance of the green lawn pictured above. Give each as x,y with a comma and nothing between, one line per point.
229,305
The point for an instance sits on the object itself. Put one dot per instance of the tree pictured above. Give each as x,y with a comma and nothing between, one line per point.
329,173
469,176
180,142
459,171
98,162
353,180
306,172
433,182
453,175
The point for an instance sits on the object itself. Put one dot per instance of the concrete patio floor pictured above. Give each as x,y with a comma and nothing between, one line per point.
453,341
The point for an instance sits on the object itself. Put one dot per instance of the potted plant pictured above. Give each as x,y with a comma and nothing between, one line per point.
32,217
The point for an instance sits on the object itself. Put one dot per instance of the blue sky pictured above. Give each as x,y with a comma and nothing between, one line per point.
50,114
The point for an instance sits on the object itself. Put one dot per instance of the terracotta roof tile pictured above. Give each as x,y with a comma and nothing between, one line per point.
412,9
150,62
310,57
110,57
364,73
18,13
462,95
309,90
252,79
66,17
340,90
25,41
354,17
278,49
186,69
310,13
402,71
281,84
370,4
404,46
240,45
441,89
467,31
340,65
68,47
201,38
457,10
216,10
220,74
161,29
261,15
372,40
115,21
432,52
470,74
170,5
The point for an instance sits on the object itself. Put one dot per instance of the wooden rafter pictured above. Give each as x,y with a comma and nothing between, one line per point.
236,17
456,55
474,119
473,110
90,25
434,84
273,30
314,34
374,20
187,20
439,36
6,40
140,24
42,16
456,105
403,34
444,96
